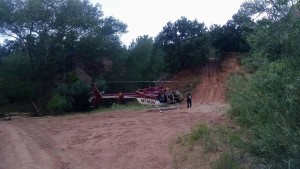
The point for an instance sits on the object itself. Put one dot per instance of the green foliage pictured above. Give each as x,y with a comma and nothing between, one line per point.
271,46
130,106
268,104
17,78
232,37
235,139
3,100
226,161
198,132
142,63
101,51
71,78
3,51
58,105
269,9
18,90
197,149
101,84
77,94
277,35
251,63
185,44
141,60
138,61
53,37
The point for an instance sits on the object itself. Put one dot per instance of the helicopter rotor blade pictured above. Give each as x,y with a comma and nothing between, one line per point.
130,81
152,81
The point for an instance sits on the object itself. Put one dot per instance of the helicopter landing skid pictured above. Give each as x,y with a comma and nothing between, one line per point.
163,109
159,109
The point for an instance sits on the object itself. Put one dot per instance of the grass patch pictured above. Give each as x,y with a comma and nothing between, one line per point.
198,132
129,106
226,161
209,147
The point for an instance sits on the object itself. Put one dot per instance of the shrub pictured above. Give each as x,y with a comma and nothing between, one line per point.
267,104
76,93
58,105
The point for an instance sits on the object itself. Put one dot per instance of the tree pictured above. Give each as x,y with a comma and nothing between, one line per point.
18,79
232,37
267,102
142,64
51,34
272,10
278,25
185,43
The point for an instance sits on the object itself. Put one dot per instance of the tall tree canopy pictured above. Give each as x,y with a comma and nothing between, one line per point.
232,37
185,43
272,10
278,24
50,36
143,63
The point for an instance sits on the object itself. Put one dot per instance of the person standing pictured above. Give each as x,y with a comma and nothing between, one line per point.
189,100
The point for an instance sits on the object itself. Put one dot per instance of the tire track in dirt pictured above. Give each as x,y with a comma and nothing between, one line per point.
24,145
23,151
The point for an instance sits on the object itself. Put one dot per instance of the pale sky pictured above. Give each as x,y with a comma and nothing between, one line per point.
148,17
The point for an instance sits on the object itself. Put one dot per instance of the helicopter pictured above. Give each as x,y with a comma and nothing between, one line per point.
157,96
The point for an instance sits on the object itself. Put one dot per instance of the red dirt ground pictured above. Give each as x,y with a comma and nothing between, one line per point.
114,140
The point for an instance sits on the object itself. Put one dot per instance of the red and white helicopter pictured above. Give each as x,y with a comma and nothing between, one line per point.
155,96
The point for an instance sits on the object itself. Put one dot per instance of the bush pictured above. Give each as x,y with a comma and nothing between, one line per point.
267,104
76,93
58,105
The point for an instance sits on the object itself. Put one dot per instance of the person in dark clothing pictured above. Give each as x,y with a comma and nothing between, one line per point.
189,100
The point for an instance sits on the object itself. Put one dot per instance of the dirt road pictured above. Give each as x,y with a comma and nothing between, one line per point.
112,140
115,140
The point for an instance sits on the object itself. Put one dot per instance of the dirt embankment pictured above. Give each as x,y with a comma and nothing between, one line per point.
214,76
114,140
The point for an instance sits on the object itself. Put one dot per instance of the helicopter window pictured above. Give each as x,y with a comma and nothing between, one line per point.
165,98
161,98
175,96
169,97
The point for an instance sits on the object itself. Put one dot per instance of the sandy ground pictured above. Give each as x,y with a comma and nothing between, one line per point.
115,140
